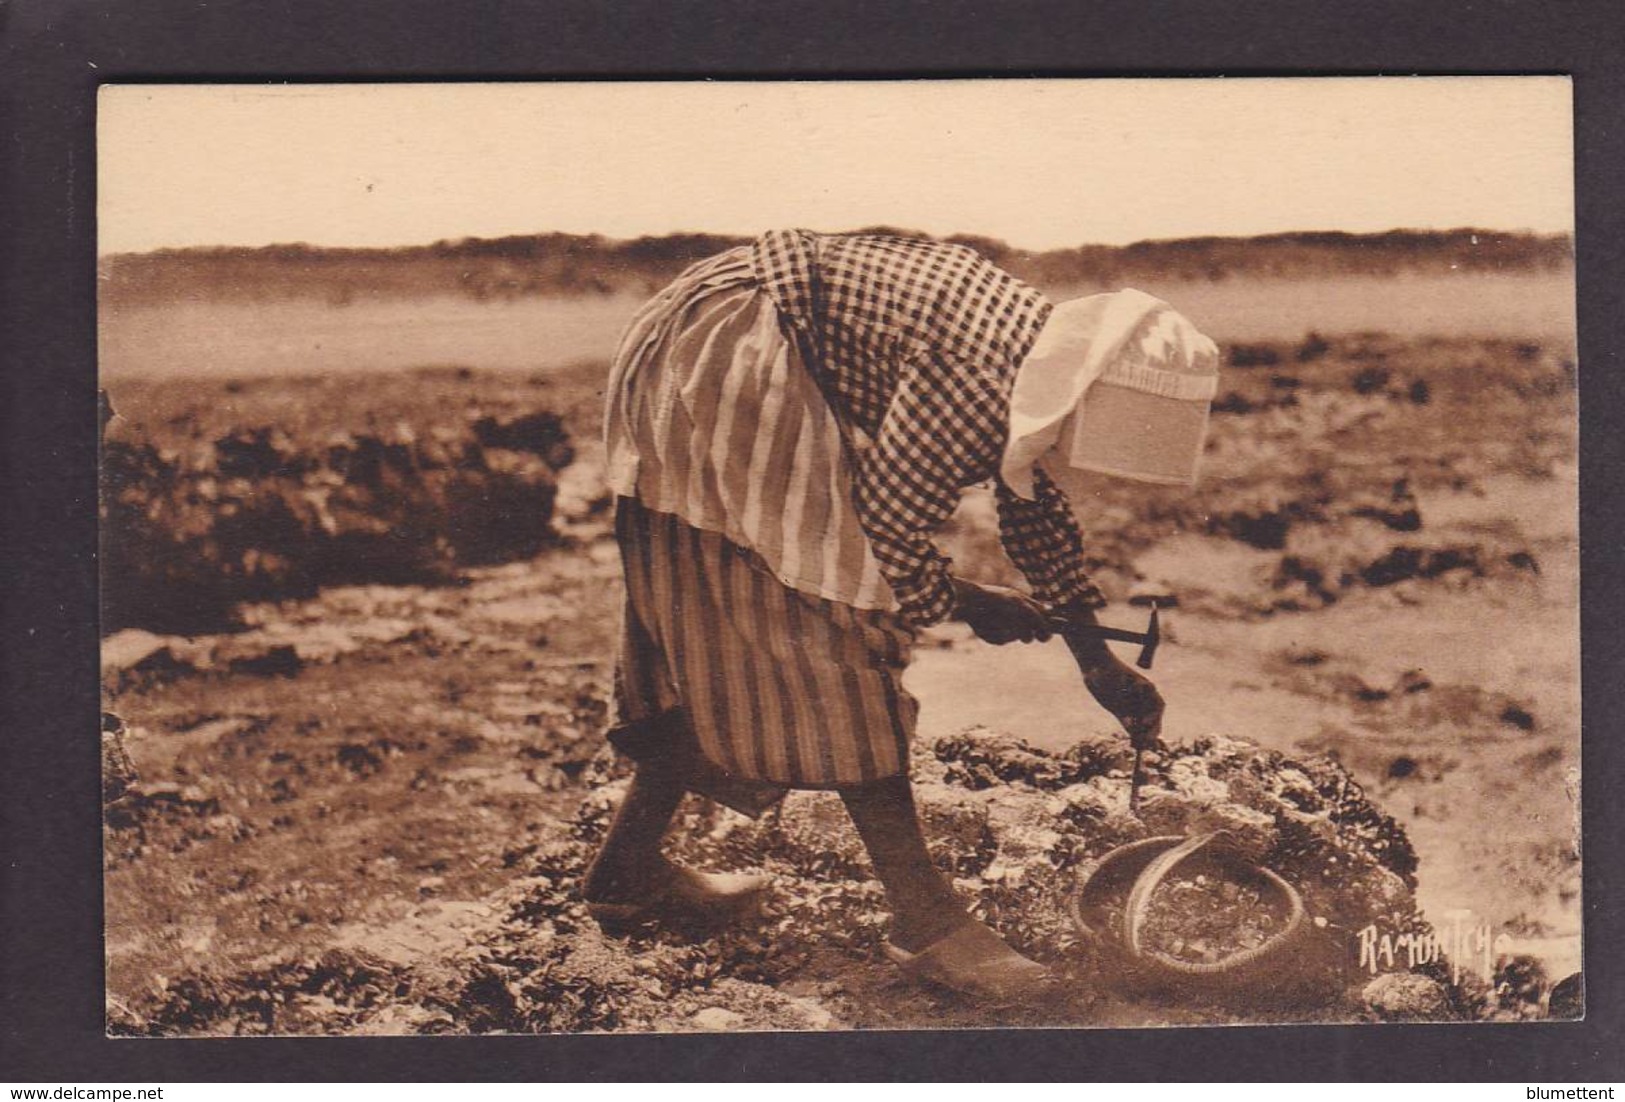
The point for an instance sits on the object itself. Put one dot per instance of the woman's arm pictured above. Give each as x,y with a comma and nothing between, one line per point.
1118,687
1042,538
941,433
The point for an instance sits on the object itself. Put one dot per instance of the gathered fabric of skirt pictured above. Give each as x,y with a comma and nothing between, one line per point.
757,622
713,417
778,688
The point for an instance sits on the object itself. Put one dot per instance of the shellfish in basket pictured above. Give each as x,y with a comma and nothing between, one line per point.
1191,912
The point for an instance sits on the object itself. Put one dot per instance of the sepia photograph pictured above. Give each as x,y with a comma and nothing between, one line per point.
732,556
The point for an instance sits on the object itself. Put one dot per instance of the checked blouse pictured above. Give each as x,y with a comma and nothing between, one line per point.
917,344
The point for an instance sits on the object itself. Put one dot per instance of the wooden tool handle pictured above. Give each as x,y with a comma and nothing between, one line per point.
1148,639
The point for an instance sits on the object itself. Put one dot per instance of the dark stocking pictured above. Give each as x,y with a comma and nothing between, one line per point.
630,861
924,905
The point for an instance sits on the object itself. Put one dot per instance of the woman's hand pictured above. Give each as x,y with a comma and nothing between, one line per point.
1120,689
1130,696
1000,615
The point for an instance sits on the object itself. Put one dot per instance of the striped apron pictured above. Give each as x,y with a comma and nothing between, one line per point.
757,623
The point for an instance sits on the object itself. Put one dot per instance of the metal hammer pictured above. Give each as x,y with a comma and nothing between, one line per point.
1148,639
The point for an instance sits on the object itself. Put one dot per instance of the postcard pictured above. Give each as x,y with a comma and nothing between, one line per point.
771,555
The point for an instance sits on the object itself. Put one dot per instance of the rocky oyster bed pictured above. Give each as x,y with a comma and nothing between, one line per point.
528,959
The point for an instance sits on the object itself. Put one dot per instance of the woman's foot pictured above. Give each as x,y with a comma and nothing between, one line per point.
925,908
975,961
922,926
668,893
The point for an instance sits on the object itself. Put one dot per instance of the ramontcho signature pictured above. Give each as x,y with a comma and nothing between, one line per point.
1462,942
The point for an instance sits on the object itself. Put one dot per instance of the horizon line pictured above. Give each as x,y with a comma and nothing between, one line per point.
873,227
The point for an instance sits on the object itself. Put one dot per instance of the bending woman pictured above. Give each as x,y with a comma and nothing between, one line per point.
787,425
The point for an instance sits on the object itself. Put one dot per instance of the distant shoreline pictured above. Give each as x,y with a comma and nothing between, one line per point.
537,265
378,332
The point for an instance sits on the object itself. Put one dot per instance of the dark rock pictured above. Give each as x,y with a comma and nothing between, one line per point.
160,667
503,516
278,661
262,452
541,434
1413,681
1523,560
1519,983
130,467
1447,559
1232,401
1514,716
1302,584
1568,999
1404,562
1369,380
1254,355
1369,694
358,759
1312,348
1266,531
255,518
1399,511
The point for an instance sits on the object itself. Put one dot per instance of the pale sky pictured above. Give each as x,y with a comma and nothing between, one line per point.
1042,164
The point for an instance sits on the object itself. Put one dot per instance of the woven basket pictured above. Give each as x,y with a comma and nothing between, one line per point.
1130,874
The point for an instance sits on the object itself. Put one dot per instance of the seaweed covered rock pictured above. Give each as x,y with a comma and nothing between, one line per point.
255,515
1014,825
335,991
1306,819
1017,827
1407,997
